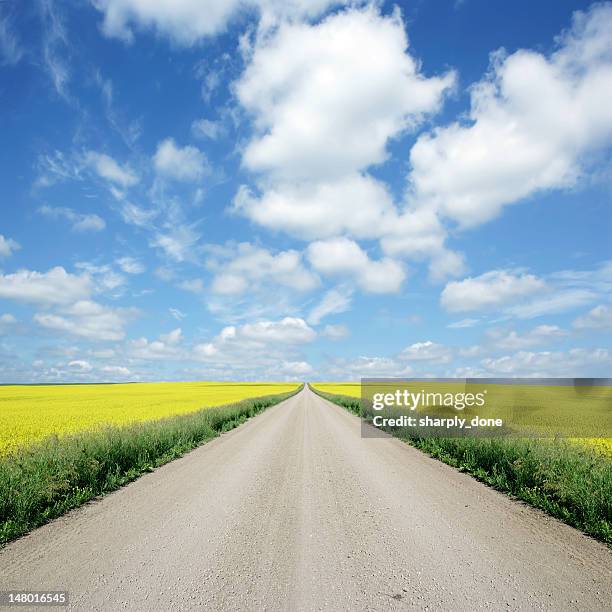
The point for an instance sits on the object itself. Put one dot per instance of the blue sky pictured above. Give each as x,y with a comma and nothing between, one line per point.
257,189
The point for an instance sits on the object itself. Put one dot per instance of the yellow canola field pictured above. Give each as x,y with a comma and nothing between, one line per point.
602,445
350,389
32,412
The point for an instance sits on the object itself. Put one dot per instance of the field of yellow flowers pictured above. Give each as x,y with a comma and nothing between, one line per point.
602,445
29,413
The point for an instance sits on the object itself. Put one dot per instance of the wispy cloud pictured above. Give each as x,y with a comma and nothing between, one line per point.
11,49
55,47
81,222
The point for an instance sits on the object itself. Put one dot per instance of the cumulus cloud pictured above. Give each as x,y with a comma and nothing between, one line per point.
296,368
8,246
367,367
533,121
104,277
167,346
81,365
599,317
503,339
45,288
87,319
355,204
109,169
426,351
193,285
344,257
81,222
182,164
572,363
327,98
246,267
186,22
120,371
290,330
490,290
263,342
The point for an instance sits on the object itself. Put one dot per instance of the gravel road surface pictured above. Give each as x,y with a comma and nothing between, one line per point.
295,511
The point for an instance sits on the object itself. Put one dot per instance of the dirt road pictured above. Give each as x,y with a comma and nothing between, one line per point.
295,511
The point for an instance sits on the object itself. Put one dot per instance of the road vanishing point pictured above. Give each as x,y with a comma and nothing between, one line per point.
295,510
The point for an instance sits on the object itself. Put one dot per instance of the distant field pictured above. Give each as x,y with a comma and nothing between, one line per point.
558,404
29,413
350,389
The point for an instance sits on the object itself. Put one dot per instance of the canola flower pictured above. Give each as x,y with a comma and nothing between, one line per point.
29,413
601,445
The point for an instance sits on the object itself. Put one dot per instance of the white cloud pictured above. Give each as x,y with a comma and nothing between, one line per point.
185,22
7,319
463,323
173,337
136,215
204,128
8,246
327,97
45,288
492,289
333,301
335,332
107,168
54,47
183,164
247,267
81,222
367,367
11,50
572,363
116,370
263,342
81,365
599,317
165,347
296,368
89,320
130,265
193,285
553,303
341,256
426,351
177,314
532,122
105,278
289,330
353,204
177,241
512,340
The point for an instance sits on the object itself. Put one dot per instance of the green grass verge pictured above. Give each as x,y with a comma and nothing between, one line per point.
42,481
569,482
